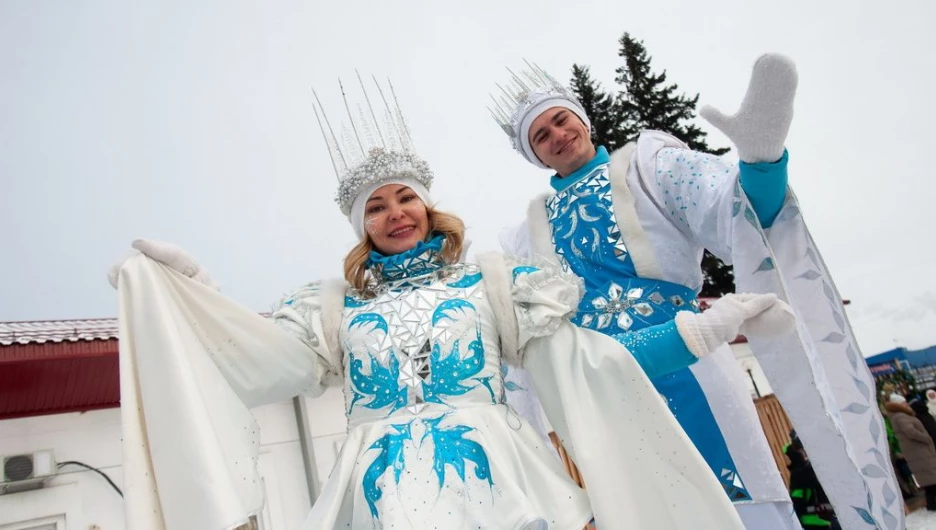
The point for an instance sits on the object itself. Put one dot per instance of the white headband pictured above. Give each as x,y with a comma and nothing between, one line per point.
534,112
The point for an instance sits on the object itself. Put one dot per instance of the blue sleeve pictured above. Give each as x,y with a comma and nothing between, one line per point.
659,349
765,185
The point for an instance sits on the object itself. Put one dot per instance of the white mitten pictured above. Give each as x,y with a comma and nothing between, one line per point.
720,324
169,255
759,128
776,320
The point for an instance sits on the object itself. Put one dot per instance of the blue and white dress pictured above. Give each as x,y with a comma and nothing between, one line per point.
431,442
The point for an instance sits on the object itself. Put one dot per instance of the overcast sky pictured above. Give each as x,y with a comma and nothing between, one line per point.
192,122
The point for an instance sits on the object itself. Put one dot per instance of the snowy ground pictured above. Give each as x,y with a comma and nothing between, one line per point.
921,520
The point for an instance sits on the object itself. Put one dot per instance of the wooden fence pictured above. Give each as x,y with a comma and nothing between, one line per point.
774,422
776,426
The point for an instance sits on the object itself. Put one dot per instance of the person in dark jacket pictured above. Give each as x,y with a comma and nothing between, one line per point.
922,414
917,446
810,502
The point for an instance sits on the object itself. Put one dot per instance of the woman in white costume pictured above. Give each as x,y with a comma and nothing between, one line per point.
418,339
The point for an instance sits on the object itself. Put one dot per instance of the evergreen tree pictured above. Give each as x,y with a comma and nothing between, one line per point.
718,278
648,101
608,125
645,101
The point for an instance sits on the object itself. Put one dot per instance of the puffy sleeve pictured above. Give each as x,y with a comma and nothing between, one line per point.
312,314
515,240
700,193
694,190
543,297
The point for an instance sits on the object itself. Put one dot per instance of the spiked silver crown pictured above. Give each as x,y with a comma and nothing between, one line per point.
521,93
368,153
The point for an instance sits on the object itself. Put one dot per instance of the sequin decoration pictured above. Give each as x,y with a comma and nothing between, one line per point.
585,232
451,448
639,303
390,455
365,153
421,260
450,372
735,489
381,384
381,165
424,334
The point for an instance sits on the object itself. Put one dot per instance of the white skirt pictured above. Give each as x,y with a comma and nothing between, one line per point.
481,467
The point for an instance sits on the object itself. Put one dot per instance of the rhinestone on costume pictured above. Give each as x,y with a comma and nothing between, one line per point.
624,321
644,309
381,165
635,293
369,152
677,300
657,298
604,320
600,303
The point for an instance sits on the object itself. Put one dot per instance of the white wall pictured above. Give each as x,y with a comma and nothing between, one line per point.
327,426
94,438
82,496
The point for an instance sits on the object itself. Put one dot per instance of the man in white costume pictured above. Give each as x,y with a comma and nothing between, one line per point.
633,225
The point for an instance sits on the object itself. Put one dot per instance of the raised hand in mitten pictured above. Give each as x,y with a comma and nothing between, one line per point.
759,128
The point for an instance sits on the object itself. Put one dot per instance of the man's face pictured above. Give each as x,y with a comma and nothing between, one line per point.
561,141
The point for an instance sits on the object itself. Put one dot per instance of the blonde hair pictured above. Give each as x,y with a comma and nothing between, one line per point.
440,223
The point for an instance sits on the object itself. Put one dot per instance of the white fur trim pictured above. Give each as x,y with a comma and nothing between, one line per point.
499,291
333,296
625,212
540,234
688,327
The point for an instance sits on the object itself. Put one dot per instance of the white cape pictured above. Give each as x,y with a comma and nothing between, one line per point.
190,444
639,467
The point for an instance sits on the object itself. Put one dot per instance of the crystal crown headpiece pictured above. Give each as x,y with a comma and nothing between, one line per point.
520,94
374,146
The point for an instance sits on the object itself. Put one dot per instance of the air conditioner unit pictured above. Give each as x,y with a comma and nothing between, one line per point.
26,471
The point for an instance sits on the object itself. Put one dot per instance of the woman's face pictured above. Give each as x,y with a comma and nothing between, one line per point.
395,219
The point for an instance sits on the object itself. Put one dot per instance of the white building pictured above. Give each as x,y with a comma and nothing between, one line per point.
46,369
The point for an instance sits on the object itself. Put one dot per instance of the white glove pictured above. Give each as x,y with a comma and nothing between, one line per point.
169,255
761,315
759,128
